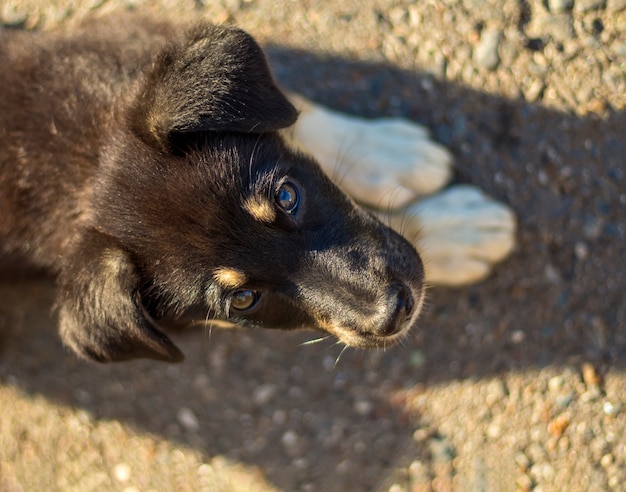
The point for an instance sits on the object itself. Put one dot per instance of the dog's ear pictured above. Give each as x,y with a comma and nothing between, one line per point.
100,316
216,80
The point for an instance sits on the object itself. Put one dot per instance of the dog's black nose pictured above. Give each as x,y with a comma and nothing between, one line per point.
404,304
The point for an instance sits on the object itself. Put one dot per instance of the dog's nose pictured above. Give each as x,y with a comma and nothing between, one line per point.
401,298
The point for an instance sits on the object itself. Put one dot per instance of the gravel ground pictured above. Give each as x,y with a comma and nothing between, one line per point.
514,384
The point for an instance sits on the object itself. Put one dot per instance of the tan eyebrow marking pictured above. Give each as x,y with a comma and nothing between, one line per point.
229,278
260,208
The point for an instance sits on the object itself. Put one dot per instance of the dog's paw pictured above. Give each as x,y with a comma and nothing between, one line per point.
461,233
383,163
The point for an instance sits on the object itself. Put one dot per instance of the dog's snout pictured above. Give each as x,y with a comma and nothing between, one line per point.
403,304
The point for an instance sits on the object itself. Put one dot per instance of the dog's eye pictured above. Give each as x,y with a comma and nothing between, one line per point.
288,197
244,300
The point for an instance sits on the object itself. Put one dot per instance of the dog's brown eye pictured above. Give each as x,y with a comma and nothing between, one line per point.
288,197
244,299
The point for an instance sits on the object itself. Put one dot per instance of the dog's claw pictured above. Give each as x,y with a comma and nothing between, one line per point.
461,233
383,163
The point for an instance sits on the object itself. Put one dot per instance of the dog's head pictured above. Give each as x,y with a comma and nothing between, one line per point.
200,207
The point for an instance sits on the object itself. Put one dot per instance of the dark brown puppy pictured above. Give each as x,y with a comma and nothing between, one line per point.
150,178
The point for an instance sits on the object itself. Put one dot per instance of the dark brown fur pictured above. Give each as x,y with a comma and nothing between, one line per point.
125,164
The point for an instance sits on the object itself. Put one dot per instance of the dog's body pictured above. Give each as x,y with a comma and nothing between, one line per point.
150,177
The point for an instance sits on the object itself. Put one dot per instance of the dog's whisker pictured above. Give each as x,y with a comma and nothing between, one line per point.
341,169
252,156
345,347
315,340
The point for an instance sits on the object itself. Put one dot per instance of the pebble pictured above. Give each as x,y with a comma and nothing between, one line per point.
418,359
587,5
10,15
558,6
581,250
486,53
558,26
592,228
535,90
590,375
522,461
552,274
263,394
518,336
493,430
290,440
555,383
524,482
121,472
188,419
418,472
606,460
420,435
611,409
592,394
564,400
363,407
557,426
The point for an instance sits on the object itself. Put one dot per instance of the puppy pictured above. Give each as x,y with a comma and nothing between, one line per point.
149,176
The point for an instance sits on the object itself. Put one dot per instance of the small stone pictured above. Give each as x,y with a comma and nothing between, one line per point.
524,482
121,472
418,359
590,375
535,90
188,419
606,460
418,472
552,274
587,5
363,407
12,16
263,394
518,336
592,228
558,6
564,400
420,435
558,26
555,383
592,394
496,392
486,53
557,426
611,409
493,430
522,461
581,250
290,440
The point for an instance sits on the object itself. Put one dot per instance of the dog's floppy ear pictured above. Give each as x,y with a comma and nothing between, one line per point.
217,79
100,316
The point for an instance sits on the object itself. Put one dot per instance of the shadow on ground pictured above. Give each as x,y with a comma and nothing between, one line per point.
263,398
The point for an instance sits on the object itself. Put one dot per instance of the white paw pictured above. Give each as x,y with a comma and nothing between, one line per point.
383,163
461,233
